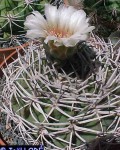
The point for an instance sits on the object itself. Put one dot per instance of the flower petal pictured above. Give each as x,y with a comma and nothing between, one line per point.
40,18
64,17
50,38
77,19
51,14
88,29
35,21
35,33
73,40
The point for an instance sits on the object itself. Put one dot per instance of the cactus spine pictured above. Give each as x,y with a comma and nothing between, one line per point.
13,14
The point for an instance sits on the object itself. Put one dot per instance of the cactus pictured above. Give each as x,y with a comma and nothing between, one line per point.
105,13
13,14
104,7
114,7
57,110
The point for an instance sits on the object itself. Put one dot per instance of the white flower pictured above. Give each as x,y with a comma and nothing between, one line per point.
65,26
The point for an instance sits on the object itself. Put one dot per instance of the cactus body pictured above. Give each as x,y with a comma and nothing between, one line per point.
57,110
13,14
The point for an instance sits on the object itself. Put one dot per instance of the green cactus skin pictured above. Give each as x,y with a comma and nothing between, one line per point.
59,111
13,14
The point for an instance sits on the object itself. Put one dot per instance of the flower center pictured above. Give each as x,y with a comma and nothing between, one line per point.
59,33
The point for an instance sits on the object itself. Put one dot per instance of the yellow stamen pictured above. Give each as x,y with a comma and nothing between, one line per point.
59,33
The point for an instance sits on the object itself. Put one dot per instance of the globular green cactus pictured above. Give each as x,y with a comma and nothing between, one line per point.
57,110
13,14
